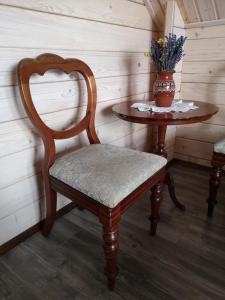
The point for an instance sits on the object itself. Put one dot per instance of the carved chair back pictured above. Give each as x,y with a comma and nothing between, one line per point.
109,216
26,68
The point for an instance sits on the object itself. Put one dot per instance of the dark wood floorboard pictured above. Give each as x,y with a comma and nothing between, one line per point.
186,260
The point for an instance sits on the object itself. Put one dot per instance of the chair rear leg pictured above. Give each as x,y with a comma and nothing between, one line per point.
155,205
110,221
214,182
51,201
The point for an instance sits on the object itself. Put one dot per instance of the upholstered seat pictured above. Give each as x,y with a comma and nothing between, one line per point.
219,147
106,173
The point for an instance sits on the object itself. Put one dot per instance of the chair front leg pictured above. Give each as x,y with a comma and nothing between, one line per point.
155,205
110,220
214,182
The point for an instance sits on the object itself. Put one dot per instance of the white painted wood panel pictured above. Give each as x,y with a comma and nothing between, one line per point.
194,148
205,50
194,151
138,140
137,1
103,64
170,153
219,118
178,31
178,67
50,97
213,93
220,4
14,224
170,136
20,195
19,135
196,141
206,68
203,79
115,130
108,11
206,24
60,32
201,132
206,32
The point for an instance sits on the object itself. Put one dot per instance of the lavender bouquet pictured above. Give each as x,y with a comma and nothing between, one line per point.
168,52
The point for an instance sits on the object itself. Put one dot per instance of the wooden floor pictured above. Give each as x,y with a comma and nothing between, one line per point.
186,260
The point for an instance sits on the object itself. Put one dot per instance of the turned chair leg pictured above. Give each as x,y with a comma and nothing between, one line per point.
51,201
111,245
155,205
214,183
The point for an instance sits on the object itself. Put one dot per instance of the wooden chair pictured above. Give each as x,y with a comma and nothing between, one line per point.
104,179
218,162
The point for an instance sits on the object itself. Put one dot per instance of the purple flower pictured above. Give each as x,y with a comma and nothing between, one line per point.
167,54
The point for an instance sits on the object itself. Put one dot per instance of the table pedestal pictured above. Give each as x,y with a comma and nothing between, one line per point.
168,179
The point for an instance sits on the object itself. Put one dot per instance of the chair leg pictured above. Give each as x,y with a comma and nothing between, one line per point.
79,207
110,223
51,201
155,205
214,183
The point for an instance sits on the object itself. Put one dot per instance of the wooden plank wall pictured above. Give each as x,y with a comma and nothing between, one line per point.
111,37
203,79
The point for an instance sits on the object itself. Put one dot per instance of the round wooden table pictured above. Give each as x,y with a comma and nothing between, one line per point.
204,112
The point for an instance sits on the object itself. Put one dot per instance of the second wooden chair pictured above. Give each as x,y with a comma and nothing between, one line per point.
218,162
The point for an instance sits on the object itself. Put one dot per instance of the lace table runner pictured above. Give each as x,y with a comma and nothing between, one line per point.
177,106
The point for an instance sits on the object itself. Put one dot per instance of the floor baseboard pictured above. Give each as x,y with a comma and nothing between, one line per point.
30,231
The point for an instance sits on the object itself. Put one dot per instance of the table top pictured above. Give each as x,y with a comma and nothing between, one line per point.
204,112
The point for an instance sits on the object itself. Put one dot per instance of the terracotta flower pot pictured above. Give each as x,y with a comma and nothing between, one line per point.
164,88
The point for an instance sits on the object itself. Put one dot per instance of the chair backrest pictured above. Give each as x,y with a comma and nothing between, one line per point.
40,65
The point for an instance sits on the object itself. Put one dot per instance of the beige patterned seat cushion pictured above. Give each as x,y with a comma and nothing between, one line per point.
220,147
106,173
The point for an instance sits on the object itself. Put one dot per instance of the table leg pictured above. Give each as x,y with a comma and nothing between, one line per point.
168,179
171,187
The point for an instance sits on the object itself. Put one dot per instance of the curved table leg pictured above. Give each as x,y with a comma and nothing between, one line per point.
169,179
171,187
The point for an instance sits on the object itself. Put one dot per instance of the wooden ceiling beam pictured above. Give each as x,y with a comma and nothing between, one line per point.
169,19
180,4
156,12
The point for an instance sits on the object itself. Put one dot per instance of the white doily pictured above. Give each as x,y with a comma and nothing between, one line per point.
177,106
